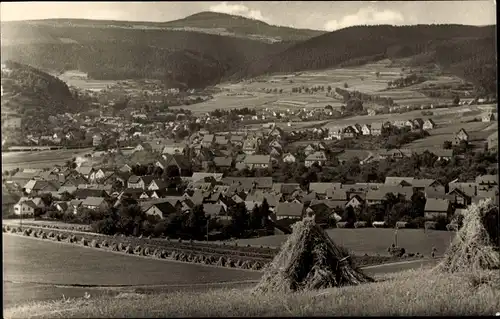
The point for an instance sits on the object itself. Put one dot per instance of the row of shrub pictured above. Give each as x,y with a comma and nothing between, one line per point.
141,250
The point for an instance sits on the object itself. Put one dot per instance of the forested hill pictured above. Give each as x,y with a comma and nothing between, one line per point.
33,94
188,59
466,50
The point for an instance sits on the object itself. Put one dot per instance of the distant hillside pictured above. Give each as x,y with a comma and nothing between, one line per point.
243,27
34,95
465,50
182,58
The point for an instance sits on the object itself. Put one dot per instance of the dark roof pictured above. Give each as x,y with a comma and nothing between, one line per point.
82,193
223,161
289,209
437,205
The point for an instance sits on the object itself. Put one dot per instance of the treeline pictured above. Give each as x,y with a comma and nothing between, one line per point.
406,81
474,59
364,97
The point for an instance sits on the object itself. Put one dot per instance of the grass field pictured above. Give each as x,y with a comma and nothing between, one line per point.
78,79
39,159
373,240
31,260
413,293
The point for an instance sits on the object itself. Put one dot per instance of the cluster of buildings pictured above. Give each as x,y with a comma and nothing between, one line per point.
93,188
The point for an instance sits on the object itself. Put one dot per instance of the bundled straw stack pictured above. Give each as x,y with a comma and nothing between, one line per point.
309,260
473,249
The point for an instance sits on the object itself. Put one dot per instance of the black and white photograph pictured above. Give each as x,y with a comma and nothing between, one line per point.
249,159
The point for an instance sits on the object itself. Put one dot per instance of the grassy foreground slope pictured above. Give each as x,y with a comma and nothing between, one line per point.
410,293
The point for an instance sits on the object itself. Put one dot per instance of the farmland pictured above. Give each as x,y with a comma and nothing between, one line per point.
254,93
374,240
39,159
25,260
80,80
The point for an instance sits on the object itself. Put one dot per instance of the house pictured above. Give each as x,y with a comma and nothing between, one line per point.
223,162
459,198
178,161
349,132
418,124
487,117
61,206
95,203
143,147
200,176
96,140
25,207
441,153
126,168
355,201
250,146
237,140
257,161
36,187
398,181
161,210
316,157
140,181
492,141
285,188
221,140
395,153
470,189
487,180
366,129
309,150
208,140
428,185
214,210
174,149
288,158
428,125
436,207
322,188
376,128
461,135
85,171
156,184
289,210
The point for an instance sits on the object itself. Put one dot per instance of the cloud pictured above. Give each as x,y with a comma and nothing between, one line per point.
366,16
237,9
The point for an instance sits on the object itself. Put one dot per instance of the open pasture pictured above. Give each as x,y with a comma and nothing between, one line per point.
373,241
79,79
227,102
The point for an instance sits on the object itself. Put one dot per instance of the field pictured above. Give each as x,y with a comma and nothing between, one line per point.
79,80
252,93
39,159
31,260
374,240
413,293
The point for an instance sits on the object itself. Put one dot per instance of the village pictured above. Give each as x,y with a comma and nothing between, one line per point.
168,175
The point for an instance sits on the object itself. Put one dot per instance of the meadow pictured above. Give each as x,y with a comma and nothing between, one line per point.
413,293
373,241
79,79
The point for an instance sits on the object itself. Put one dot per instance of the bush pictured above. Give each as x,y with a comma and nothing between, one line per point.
342,224
43,235
257,265
114,247
121,247
396,251
27,232
230,263
4,229
129,250
58,237
138,250
51,235
104,243
430,225
246,265
72,239
13,230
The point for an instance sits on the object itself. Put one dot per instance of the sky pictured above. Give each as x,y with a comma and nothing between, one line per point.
318,15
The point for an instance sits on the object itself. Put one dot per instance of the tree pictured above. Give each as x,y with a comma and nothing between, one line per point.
196,222
447,145
329,88
349,216
456,100
240,219
346,85
377,74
